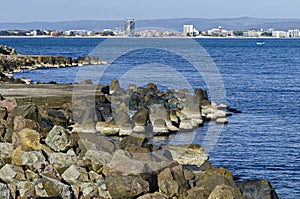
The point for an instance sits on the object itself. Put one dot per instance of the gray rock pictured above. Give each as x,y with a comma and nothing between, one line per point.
192,107
108,128
222,192
160,127
11,173
6,149
256,189
58,139
74,174
26,189
125,186
61,161
31,157
188,154
98,158
48,187
158,111
5,192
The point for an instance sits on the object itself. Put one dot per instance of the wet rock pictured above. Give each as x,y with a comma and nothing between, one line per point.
5,192
74,174
125,186
58,139
222,121
256,189
222,192
12,173
4,50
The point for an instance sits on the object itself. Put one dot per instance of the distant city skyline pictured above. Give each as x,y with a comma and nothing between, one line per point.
64,10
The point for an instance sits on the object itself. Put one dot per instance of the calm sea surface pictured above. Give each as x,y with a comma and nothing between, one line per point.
263,81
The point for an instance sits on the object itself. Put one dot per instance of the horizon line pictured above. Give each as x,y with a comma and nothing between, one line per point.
146,19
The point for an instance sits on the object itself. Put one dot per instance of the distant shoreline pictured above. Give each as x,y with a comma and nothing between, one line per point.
121,37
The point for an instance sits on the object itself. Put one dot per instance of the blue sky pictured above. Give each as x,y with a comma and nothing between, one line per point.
62,10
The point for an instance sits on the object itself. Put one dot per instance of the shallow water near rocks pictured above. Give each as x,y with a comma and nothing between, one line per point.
262,81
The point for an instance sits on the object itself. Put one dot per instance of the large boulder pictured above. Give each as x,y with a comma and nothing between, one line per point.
122,186
12,173
5,192
58,139
210,179
256,189
222,192
4,50
52,188
75,174
171,182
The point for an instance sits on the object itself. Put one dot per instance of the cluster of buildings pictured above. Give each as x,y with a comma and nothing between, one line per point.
190,31
129,30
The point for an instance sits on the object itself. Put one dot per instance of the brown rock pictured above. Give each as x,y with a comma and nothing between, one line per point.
256,189
124,186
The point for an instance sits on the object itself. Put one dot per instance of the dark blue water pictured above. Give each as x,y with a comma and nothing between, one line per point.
262,81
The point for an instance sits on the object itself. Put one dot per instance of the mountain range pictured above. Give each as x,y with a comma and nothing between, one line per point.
242,23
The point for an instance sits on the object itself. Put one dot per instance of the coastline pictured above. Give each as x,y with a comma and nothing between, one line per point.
122,37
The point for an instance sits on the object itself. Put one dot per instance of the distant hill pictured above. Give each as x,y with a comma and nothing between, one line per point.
243,23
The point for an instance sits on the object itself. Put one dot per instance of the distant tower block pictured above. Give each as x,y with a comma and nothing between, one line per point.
129,27
188,30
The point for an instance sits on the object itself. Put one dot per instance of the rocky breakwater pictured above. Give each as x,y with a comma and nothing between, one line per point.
11,61
105,149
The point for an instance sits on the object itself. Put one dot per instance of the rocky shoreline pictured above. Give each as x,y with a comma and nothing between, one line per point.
98,141
53,146
11,61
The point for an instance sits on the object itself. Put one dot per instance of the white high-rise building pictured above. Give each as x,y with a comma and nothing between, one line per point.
129,27
188,30
293,33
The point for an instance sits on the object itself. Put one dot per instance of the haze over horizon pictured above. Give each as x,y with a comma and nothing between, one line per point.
63,10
